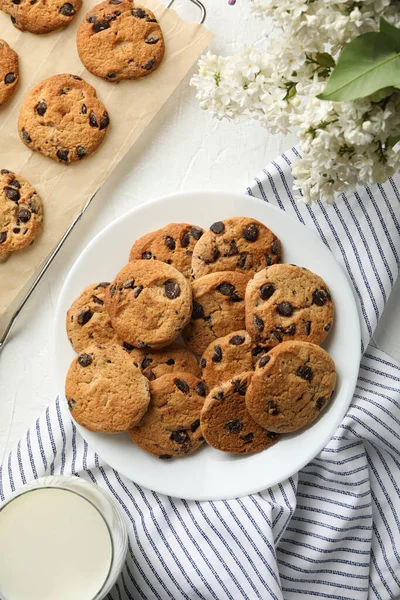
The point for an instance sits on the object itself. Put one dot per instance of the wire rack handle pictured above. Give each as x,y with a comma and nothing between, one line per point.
199,5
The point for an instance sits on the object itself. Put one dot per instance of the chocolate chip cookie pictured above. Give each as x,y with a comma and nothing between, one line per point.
291,388
171,426
62,118
218,308
88,321
9,72
40,16
286,302
226,423
237,244
118,40
149,303
21,213
172,244
227,356
105,391
155,363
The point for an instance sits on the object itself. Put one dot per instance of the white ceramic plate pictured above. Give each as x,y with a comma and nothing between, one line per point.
209,474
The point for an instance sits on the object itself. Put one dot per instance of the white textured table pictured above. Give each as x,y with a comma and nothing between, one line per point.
183,149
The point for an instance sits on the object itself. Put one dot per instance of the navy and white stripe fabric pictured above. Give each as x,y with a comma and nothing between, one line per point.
331,532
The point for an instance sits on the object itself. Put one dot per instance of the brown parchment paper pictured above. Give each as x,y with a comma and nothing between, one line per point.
131,106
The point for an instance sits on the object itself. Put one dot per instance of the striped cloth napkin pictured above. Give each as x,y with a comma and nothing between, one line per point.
332,531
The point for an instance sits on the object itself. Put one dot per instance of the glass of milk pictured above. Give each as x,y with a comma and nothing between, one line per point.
60,538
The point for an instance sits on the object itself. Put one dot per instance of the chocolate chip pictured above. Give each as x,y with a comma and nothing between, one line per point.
182,385
328,326
275,333
97,300
320,403
226,289
149,20
93,122
111,75
16,230
4,172
128,284
26,137
276,247
258,323
251,232
247,438
104,121
165,456
100,25
271,435
84,316
63,155
152,39
85,360
116,1
64,90
239,387
320,297
198,311
137,290
67,10
172,289
235,298
214,257
15,183
264,360
149,374
203,363
170,242
92,19
170,362
217,354
233,426
147,255
233,249
304,372
217,227
241,263
127,346
77,78
146,362
272,408
268,260
219,396
196,232
185,240
139,13
84,109
16,1
236,340
259,349
266,291
12,194
24,215
10,78
291,330
41,108
149,65
3,237
179,437
13,20
112,290
71,403
201,390
285,309
81,151
195,425
307,327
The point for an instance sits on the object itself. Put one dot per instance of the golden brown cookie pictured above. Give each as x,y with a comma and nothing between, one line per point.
9,72
286,302
172,244
149,303
292,385
236,244
105,391
227,356
218,308
171,426
40,16
62,118
88,322
155,363
21,213
117,40
226,423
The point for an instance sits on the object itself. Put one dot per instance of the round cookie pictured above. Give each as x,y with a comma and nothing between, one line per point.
40,16
156,363
117,40
63,119
171,426
21,213
172,244
236,244
149,303
286,302
226,423
218,308
105,391
226,357
291,386
88,322
9,72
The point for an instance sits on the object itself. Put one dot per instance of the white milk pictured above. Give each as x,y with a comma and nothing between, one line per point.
54,545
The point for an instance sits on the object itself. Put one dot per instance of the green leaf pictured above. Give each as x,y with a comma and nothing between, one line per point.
381,94
392,140
368,64
325,59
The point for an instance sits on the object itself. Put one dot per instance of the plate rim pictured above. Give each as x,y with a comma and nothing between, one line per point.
201,194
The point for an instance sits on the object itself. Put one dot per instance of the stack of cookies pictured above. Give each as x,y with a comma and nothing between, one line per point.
250,367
